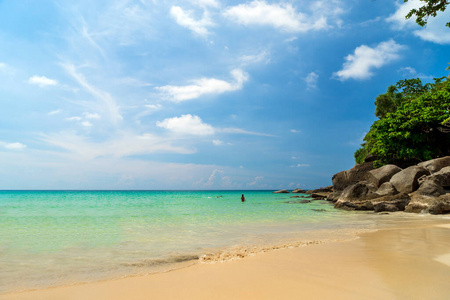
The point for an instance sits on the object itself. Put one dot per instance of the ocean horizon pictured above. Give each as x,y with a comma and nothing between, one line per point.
61,237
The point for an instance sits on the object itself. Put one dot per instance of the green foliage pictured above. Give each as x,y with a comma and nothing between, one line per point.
361,154
429,8
411,131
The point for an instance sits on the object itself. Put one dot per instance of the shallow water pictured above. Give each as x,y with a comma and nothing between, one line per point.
51,238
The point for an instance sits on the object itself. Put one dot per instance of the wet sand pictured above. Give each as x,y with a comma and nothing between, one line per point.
411,261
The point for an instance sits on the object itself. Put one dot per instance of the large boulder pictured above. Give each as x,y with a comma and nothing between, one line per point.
300,191
327,189
442,177
431,187
435,165
406,181
386,189
281,192
391,203
381,175
346,178
428,204
354,205
334,196
359,191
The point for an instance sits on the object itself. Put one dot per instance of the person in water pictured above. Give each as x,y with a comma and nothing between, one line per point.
242,198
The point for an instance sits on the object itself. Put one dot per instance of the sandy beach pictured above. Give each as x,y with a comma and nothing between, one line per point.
408,261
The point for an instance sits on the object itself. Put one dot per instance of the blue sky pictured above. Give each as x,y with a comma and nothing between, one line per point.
199,94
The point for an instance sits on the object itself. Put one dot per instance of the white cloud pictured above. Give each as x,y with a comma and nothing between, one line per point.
360,64
55,112
435,30
217,142
295,131
186,124
13,146
255,181
311,80
74,119
242,131
206,3
204,86
42,81
302,165
95,116
262,57
281,16
86,124
185,19
107,101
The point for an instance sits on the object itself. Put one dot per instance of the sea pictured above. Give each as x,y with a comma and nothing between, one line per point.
57,238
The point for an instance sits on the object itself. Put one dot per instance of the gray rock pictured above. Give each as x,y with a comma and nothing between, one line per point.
281,192
391,203
406,181
428,204
442,177
381,175
435,165
354,205
299,191
346,178
386,189
441,205
431,187
360,191
334,196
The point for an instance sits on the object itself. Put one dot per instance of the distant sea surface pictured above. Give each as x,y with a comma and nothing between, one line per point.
53,238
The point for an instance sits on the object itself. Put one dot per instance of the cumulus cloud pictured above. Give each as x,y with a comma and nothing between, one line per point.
435,31
203,86
360,64
281,16
186,124
185,19
42,81
311,80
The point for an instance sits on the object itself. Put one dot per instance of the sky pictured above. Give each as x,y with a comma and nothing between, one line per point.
199,94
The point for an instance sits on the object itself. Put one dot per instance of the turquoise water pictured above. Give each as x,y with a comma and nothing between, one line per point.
51,238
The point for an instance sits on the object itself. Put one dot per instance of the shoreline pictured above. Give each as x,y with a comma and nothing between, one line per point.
400,259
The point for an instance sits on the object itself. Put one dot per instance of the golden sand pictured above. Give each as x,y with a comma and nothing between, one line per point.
410,262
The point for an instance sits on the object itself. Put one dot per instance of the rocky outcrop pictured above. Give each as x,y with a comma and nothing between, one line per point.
346,178
299,191
381,175
406,181
435,165
423,188
281,192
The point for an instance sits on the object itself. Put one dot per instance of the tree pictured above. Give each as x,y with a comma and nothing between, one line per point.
429,8
415,130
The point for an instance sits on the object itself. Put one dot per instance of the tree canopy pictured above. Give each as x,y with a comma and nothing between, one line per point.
429,8
413,124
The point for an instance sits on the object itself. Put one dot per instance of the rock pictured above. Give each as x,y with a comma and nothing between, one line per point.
435,165
354,205
358,191
391,203
281,192
442,177
431,187
299,191
294,197
346,178
381,175
320,196
406,181
386,189
441,205
327,189
334,196
428,204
